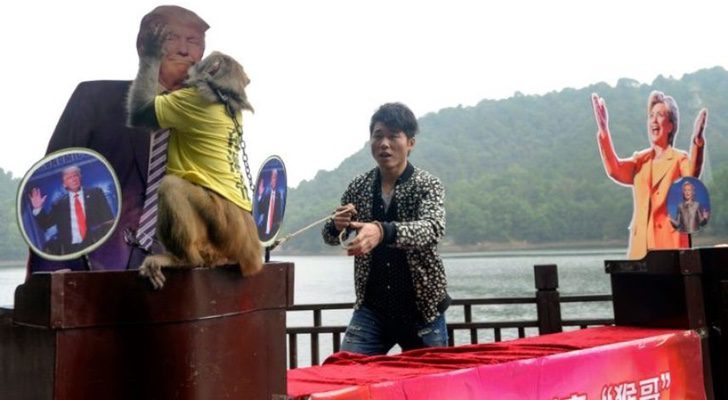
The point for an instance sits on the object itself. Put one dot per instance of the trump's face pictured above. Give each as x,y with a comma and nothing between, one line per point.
183,47
274,178
688,192
72,180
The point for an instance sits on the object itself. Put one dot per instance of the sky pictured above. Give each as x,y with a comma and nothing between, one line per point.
320,68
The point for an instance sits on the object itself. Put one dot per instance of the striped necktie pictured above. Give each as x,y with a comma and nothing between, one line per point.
157,168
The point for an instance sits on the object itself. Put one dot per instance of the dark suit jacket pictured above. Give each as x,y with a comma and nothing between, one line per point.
95,118
99,219
263,212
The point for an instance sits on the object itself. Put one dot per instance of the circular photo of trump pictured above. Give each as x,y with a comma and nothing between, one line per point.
269,199
688,205
68,204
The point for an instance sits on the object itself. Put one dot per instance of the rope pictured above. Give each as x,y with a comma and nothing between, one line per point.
290,236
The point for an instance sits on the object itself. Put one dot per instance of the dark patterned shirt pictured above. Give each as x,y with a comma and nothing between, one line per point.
410,240
390,290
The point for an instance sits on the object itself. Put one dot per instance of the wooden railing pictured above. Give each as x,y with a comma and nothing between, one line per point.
548,310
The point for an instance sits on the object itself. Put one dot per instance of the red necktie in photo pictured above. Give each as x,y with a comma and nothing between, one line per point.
80,216
271,212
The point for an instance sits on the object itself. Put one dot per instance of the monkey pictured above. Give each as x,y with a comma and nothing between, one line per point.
204,213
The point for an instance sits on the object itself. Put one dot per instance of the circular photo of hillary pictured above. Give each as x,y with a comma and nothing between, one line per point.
68,204
688,205
269,199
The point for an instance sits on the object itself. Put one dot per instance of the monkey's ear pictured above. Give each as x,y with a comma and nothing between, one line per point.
215,67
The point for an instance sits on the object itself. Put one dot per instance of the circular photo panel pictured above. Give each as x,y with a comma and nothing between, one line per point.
68,204
269,199
688,205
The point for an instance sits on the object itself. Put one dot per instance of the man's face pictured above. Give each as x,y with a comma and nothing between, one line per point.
274,178
72,180
390,149
183,47
688,192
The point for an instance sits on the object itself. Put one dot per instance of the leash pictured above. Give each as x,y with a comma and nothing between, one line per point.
333,215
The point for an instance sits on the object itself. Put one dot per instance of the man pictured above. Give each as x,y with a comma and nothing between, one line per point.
82,216
95,118
270,208
398,213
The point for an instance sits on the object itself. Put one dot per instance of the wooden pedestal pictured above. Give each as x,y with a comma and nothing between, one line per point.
208,334
682,289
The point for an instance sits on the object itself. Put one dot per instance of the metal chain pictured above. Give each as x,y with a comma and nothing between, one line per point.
239,129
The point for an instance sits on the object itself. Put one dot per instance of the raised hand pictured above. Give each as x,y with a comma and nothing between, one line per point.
153,42
699,128
600,114
140,99
36,198
704,214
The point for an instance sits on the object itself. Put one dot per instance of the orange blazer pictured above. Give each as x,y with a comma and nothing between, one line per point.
651,179
651,227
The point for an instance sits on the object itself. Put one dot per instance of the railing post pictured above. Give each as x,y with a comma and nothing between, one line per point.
315,338
468,314
292,350
548,305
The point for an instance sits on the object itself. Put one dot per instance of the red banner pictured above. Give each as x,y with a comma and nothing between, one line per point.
657,367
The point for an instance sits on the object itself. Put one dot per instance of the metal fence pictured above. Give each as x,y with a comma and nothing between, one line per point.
467,329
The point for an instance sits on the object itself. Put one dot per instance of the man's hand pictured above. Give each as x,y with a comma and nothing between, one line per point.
343,216
369,235
36,198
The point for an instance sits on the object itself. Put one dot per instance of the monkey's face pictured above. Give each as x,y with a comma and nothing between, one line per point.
224,73
183,47
223,70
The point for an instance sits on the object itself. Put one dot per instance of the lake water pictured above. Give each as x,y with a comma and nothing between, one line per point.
329,279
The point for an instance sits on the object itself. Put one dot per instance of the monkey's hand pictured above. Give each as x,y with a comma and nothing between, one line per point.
152,269
140,99
153,42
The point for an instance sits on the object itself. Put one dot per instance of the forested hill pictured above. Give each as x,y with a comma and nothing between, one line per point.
521,170
527,168
12,246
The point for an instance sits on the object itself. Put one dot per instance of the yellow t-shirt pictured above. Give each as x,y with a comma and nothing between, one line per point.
204,145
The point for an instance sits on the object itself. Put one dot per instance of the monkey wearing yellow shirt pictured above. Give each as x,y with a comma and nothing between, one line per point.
204,217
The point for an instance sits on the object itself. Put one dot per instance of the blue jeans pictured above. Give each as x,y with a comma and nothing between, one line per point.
371,333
